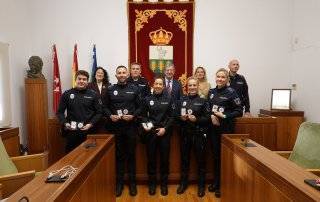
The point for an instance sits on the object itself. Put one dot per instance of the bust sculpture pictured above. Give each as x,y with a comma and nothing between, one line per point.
35,64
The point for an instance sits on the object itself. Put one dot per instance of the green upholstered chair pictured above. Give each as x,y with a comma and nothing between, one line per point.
17,171
306,151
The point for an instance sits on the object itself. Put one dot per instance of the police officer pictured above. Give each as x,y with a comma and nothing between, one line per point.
239,83
225,106
195,116
137,80
157,120
83,111
122,101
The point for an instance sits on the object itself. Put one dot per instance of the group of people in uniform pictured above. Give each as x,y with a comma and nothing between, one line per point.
132,106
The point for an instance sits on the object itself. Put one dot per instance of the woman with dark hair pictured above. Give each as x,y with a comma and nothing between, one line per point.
157,120
99,84
100,81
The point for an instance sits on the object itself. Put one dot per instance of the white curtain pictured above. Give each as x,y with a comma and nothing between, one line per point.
5,106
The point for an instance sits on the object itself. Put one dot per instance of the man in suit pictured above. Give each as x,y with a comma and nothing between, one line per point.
173,86
239,83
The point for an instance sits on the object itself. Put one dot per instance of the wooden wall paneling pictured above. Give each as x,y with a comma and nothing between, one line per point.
258,174
94,178
56,143
36,95
11,141
288,123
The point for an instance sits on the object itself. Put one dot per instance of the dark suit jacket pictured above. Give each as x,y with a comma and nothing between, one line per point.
176,91
95,88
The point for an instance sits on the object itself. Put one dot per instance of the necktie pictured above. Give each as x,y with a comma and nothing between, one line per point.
169,87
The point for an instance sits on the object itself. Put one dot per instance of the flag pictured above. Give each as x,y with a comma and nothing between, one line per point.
56,81
74,65
94,63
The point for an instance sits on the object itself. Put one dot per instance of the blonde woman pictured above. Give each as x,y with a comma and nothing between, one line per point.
204,85
225,106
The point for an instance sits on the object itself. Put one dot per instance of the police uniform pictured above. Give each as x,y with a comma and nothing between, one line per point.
239,83
83,107
194,134
224,100
123,99
142,84
158,110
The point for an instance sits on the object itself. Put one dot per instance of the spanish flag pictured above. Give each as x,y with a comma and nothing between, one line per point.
74,65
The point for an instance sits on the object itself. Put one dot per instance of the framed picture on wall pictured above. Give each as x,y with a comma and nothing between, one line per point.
281,99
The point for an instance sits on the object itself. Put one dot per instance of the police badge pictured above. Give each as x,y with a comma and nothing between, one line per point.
119,112
214,108
80,125
183,111
221,109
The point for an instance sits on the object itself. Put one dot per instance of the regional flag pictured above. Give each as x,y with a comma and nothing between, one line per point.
94,62
74,65
56,80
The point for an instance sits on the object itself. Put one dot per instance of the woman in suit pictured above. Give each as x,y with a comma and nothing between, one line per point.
99,84
225,106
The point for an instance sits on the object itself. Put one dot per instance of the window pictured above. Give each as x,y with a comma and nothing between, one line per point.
5,107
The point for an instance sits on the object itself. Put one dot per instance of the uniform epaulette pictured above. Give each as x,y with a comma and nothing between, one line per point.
230,89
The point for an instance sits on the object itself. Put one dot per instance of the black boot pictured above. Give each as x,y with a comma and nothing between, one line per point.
201,191
152,188
183,184
152,184
164,189
212,188
182,187
119,188
132,189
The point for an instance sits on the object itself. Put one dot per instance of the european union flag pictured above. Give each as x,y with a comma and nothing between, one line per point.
94,63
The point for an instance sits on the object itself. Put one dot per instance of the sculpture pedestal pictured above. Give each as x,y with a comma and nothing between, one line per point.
36,95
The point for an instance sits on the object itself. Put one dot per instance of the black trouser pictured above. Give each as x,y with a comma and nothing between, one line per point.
153,144
125,136
226,127
74,139
197,140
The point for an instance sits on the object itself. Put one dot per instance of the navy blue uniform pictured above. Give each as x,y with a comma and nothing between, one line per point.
124,99
239,83
226,101
159,110
194,134
83,107
142,84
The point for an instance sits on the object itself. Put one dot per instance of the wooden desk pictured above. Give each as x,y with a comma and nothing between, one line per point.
288,123
94,180
258,174
263,130
10,139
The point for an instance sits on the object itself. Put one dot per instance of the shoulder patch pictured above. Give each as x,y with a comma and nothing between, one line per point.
230,89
